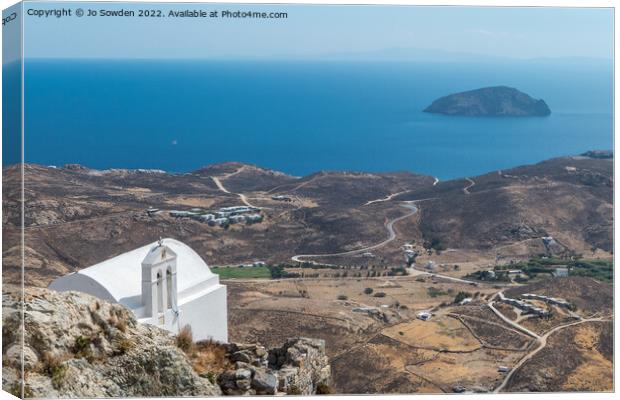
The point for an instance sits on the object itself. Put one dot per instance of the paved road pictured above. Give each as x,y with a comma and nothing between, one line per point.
391,236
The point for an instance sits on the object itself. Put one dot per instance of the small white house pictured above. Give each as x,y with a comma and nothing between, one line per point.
424,315
466,300
165,283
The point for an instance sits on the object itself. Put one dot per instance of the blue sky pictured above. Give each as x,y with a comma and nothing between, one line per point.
319,31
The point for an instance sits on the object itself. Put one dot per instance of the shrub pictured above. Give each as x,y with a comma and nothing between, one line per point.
16,390
211,376
54,367
434,292
368,290
185,339
294,390
436,244
123,346
323,388
81,347
460,296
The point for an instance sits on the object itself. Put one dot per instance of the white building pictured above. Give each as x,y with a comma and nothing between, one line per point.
466,300
424,315
165,283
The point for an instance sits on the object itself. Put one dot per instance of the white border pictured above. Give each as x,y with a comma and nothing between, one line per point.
489,3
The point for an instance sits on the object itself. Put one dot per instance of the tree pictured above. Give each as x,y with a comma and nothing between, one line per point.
460,296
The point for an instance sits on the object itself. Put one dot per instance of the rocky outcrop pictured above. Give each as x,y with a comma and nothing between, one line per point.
498,101
300,366
303,366
76,345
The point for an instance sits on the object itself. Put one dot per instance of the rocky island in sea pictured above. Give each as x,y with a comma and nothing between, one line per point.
497,101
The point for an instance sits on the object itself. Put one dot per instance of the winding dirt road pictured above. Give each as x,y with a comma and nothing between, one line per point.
220,186
391,236
471,184
508,320
542,340
387,198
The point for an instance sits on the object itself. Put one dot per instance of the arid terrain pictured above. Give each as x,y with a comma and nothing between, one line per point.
362,259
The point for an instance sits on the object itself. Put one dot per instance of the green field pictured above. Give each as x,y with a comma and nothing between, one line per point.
601,270
244,273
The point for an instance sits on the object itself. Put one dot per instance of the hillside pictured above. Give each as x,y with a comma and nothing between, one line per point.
569,198
76,217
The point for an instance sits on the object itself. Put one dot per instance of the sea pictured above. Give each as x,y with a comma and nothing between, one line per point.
301,117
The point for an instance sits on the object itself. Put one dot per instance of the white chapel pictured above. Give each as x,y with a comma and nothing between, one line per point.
165,283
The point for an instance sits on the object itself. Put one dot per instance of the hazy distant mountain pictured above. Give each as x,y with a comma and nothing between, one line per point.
411,54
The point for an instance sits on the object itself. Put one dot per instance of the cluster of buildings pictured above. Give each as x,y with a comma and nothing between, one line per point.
551,300
255,264
525,306
224,216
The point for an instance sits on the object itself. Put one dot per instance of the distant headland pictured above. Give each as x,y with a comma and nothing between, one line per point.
497,101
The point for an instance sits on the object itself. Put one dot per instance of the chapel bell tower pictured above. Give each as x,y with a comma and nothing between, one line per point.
159,282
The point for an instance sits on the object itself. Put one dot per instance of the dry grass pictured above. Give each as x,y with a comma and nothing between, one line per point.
117,321
185,340
437,334
210,357
123,346
596,373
